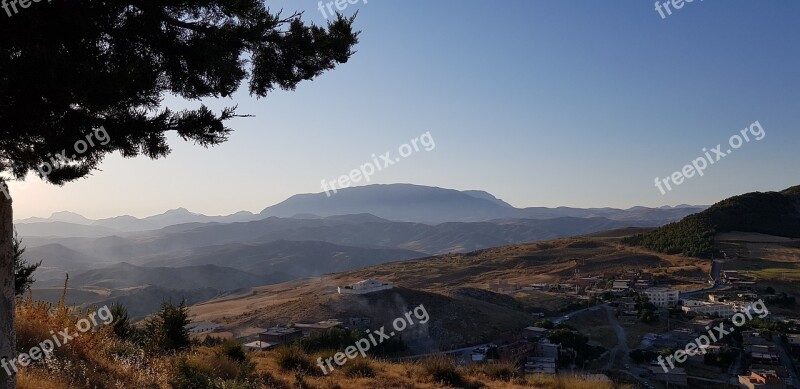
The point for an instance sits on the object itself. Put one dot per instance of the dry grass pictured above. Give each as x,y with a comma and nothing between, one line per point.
94,359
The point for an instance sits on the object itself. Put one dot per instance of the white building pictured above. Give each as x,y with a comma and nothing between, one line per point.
364,287
662,297
708,308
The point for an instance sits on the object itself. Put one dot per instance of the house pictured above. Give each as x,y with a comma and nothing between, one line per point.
698,307
676,376
258,346
585,282
364,287
545,349
322,327
662,297
762,379
201,327
764,353
280,335
621,286
534,332
540,365
794,342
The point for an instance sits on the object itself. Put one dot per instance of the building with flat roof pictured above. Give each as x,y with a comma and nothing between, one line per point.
676,376
258,346
279,335
698,307
662,297
364,287
540,365
324,326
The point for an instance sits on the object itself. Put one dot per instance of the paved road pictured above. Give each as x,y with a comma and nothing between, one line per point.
622,343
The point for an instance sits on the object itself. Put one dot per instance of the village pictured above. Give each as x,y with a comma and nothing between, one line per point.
649,321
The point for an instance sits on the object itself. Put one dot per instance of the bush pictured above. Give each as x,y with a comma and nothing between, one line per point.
233,350
504,371
359,368
294,359
190,376
443,371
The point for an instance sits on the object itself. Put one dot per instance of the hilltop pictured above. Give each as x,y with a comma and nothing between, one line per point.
769,213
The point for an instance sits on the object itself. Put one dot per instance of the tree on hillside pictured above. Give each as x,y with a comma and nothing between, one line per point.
168,329
23,271
80,79
122,326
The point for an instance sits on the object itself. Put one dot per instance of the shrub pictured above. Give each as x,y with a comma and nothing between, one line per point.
294,359
444,371
359,368
233,350
504,371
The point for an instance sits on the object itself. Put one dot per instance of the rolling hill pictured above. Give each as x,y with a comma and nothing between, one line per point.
770,213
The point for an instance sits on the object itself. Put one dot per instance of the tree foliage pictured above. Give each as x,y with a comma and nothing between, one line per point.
168,329
23,271
122,324
68,68
772,213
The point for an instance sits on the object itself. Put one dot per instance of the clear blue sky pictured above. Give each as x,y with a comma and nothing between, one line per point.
542,103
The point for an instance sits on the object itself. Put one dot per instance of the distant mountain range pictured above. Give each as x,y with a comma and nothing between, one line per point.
308,235
397,202
73,224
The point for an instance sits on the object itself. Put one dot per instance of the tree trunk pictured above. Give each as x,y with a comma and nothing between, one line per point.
8,333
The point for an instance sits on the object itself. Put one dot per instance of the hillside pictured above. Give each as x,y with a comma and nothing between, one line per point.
453,287
125,275
770,213
290,259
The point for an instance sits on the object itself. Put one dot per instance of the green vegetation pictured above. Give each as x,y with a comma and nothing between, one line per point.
23,271
122,325
568,337
544,323
445,372
648,313
338,339
693,236
724,358
643,356
771,213
294,359
166,331
359,368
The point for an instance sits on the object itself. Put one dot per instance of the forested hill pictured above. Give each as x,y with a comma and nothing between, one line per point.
772,213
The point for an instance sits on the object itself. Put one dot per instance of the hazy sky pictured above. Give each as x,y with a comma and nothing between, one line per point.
541,103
